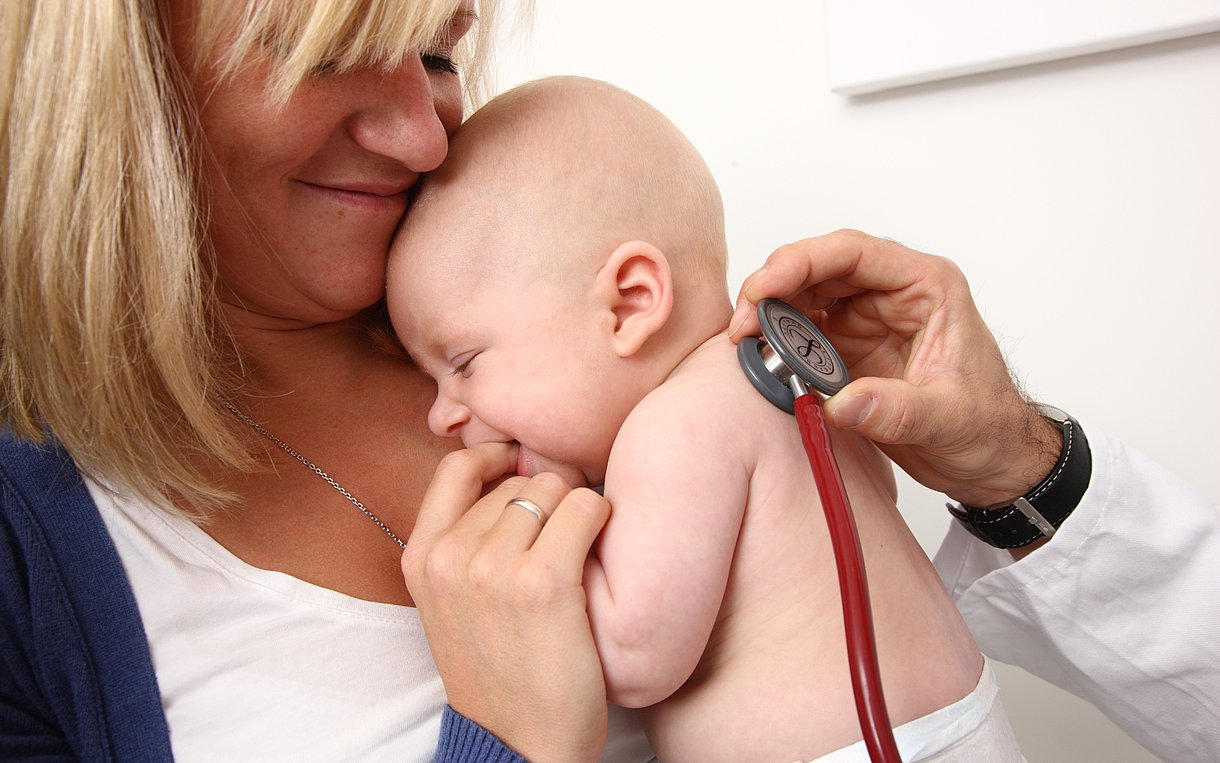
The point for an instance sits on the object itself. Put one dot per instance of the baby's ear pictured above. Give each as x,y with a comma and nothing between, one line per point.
637,285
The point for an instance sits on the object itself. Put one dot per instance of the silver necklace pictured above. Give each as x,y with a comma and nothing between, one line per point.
257,427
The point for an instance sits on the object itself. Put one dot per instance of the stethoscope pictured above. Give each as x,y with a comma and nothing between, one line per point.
791,358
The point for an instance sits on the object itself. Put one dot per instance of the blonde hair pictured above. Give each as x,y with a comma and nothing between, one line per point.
107,337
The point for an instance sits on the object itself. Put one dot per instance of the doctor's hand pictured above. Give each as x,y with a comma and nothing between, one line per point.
499,594
931,387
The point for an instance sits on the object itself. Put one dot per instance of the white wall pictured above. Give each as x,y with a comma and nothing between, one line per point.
1081,198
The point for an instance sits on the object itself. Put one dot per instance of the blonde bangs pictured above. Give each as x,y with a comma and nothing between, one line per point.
300,36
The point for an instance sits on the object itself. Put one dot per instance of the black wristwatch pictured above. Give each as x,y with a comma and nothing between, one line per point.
1038,513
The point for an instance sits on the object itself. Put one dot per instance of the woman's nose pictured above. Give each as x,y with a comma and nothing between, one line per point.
407,120
447,417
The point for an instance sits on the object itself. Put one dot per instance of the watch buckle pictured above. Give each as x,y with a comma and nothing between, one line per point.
1034,517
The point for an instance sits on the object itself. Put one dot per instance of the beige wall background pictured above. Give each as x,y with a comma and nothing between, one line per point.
1080,197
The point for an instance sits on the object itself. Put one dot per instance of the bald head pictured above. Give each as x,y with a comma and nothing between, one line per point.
565,169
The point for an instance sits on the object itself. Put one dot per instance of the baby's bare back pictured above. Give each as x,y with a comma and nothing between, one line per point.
773,683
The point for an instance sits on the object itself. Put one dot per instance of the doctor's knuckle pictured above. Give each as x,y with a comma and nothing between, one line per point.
851,234
944,268
902,426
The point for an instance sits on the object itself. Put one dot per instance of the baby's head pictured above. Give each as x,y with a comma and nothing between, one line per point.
562,261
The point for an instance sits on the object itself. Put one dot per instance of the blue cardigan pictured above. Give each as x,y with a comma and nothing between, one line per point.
76,676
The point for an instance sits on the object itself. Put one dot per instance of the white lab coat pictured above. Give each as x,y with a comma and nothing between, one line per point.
1121,607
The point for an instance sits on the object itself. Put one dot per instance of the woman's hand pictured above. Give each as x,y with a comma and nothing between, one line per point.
931,386
499,594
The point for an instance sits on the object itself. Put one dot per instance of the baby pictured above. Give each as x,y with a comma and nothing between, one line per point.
562,277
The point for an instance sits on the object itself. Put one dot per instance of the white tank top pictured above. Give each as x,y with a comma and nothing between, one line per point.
259,665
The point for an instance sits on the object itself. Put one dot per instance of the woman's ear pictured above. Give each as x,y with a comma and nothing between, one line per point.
637,286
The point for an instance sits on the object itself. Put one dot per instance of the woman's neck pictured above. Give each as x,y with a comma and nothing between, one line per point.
280,357
357,412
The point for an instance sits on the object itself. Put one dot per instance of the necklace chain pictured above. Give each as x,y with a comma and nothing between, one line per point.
257,427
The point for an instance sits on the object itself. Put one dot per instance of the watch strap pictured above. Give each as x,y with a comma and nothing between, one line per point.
1041,511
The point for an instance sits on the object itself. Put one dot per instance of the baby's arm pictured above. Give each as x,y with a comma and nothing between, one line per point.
678,485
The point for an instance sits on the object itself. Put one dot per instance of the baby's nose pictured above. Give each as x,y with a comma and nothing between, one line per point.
447,417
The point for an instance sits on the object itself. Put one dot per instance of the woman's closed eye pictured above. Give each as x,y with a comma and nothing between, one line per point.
434,62
438,63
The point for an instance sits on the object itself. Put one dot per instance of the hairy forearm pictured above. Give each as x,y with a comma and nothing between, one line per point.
1034,444
1031,446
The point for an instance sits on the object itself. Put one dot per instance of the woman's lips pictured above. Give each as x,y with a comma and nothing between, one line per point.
375,198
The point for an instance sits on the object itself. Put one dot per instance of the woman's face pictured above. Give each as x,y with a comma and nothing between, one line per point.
305,196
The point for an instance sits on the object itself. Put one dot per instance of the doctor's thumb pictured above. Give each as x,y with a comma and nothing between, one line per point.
887,411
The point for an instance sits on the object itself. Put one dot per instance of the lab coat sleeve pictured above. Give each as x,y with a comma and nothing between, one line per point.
1121,607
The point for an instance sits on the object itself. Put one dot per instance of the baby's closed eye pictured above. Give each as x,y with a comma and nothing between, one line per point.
461,364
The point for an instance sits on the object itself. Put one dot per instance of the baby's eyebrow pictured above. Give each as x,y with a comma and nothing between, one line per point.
418,356
421,366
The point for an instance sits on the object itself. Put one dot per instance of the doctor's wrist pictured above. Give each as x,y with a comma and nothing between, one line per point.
1034,516
1029,446
1043,442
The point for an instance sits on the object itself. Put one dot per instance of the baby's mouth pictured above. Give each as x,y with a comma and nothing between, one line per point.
524,462
529,464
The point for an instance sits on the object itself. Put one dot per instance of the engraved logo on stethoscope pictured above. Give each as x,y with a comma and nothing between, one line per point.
810,348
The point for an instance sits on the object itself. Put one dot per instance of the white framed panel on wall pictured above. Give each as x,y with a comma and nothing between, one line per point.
882,44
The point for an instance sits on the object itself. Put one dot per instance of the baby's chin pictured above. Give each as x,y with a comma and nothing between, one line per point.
530,463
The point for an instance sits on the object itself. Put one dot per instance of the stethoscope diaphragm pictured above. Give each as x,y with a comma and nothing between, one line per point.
790,345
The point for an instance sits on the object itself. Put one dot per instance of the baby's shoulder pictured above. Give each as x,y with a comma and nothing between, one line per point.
710,394
709,391
698,423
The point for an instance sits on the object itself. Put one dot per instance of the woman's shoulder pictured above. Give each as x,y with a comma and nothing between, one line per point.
38,474
76,635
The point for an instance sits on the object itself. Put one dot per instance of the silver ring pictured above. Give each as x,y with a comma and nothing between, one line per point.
529,506
830,305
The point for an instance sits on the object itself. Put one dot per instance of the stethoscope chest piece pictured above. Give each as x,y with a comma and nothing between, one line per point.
790,346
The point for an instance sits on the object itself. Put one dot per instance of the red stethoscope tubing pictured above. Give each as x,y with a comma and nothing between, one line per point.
853,585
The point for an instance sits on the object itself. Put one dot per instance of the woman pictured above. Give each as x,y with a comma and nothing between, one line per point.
198,201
